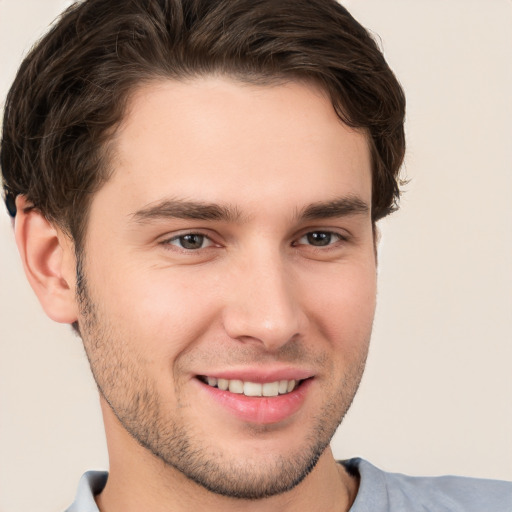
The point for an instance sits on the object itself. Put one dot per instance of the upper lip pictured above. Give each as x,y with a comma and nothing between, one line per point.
260,375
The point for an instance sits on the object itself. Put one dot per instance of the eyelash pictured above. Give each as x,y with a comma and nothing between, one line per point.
179,239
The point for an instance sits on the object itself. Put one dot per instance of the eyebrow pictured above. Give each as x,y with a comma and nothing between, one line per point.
339,207
183,209
196,210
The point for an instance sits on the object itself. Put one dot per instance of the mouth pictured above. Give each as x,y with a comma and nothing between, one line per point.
252,389
267,401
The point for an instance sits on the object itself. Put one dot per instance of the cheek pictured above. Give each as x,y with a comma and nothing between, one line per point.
161,311
343,304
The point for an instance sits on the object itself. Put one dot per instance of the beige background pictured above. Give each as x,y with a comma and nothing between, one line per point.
437,394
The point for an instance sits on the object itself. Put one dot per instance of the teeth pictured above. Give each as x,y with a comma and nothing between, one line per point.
252,389
236,386
223,384
271,389
280,387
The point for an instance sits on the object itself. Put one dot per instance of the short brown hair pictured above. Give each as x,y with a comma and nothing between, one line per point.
70,91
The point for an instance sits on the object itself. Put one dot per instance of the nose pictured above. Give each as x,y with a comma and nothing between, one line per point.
263,305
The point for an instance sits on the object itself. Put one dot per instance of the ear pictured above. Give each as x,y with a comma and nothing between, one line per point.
49,262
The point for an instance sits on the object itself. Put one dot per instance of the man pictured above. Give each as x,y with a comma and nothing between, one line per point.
195,187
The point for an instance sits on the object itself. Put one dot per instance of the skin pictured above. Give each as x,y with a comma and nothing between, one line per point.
256,293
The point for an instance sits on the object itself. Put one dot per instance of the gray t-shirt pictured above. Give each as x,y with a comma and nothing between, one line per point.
378,492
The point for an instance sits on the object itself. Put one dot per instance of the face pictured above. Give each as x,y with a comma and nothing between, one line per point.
229,279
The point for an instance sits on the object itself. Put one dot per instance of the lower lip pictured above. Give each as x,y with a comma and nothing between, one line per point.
261,410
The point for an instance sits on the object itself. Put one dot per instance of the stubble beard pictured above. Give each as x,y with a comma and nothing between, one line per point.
134,400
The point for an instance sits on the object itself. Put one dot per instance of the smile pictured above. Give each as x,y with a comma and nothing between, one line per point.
267,389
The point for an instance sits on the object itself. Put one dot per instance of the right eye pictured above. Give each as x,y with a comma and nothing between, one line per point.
190,241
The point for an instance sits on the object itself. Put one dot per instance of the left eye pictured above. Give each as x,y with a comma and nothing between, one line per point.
320,238
191,241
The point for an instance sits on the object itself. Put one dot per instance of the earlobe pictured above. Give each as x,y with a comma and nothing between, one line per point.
48,260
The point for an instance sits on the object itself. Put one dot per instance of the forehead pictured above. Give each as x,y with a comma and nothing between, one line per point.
222,141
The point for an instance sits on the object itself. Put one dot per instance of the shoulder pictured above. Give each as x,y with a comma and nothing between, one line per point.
380,491
90,484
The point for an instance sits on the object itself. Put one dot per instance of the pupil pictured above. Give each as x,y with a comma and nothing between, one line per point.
319,238
192,241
